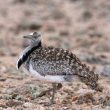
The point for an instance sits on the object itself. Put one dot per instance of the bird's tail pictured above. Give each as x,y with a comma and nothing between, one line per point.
89,77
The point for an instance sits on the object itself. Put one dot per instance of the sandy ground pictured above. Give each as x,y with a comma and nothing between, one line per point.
82,26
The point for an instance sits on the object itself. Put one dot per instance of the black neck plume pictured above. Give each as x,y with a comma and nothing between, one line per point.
25,55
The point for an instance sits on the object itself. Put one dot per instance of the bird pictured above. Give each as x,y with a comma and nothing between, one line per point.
55,65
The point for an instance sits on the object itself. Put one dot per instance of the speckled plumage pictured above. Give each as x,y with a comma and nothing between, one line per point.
56,62
55,65
53,61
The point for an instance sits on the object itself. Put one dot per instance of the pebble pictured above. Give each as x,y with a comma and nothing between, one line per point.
28,105
9,108
1,108
103,48
90,58
31,25
108,108
3,69
106,70
2,79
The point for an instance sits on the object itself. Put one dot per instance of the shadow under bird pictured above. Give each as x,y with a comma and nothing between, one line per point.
55,65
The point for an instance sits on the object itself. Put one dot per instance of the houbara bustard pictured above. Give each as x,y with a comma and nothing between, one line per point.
55,65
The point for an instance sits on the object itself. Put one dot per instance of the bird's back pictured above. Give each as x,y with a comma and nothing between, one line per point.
54,61
57,61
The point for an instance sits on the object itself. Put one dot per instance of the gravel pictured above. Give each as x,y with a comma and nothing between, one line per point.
106,70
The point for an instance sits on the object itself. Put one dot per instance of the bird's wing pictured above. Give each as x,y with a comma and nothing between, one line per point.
53,61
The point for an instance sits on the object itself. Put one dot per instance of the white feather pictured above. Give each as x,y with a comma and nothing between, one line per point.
48,78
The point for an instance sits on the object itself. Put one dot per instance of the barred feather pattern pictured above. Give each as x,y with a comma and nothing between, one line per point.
56,61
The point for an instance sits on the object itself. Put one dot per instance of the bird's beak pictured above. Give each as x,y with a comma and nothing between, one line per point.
28,36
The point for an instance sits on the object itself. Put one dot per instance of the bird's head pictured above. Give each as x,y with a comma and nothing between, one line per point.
35,43
35,37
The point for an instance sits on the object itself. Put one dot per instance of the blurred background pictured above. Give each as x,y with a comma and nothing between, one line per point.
82,26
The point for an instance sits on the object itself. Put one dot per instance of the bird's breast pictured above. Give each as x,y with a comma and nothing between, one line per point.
47,78
52,78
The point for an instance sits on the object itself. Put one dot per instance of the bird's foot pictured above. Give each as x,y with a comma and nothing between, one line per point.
44,93
49,90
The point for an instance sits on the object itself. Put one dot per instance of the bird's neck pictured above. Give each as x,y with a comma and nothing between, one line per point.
24,55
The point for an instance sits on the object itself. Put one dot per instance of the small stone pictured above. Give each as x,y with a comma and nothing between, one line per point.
28,105
3,69
103,47
13,103
1,108
65,108
106,70
91,58
87,15
9,108
30,25
19,1
2,79
19,97
8,91
64,33
108,108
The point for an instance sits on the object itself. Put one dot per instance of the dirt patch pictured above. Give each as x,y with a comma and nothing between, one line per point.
78,25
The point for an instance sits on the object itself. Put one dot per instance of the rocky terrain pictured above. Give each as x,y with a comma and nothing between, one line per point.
82,26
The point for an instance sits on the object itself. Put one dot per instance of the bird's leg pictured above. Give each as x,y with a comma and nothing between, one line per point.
44,92
55,87
53,94
49,90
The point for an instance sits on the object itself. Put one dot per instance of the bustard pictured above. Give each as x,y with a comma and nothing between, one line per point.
55,65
